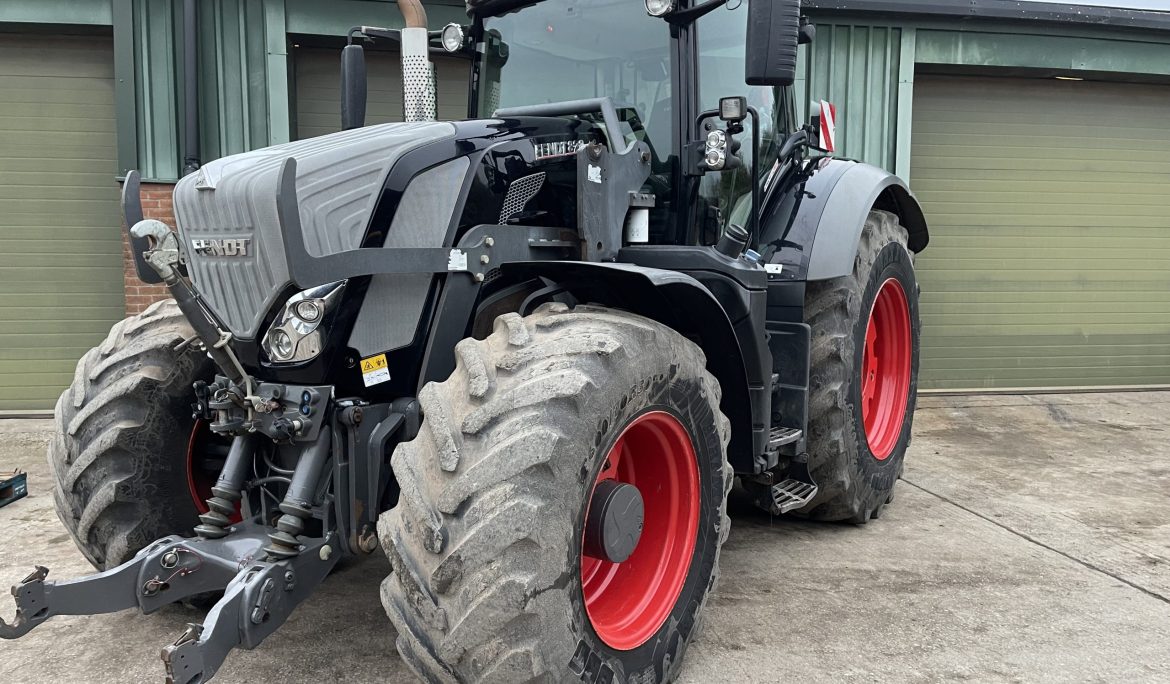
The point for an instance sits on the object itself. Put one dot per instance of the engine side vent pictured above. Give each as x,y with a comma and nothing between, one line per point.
520,193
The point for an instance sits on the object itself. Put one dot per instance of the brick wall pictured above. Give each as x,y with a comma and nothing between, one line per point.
156,204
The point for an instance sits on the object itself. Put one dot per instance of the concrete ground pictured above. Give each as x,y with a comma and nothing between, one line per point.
1029,541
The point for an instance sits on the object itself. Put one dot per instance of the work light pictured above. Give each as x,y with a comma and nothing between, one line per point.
658,8
452,37
733,109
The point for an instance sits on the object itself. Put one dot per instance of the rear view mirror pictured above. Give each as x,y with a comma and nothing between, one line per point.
353,87
772,35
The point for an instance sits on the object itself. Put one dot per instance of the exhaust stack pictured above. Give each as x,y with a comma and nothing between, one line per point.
418,73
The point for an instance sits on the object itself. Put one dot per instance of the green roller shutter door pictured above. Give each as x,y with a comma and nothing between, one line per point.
318,89
60,226
1049,211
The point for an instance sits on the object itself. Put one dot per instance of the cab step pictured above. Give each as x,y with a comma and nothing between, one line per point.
796,490
781,436
791,494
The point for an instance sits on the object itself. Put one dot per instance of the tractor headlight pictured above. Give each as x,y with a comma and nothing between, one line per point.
717,148
309,310
716,159
296,335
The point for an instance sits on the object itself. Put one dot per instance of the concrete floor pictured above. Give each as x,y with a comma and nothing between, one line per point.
1030,541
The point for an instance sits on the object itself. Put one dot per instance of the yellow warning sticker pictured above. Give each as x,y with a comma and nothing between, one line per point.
375,370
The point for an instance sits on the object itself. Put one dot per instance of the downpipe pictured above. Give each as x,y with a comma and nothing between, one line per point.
190,87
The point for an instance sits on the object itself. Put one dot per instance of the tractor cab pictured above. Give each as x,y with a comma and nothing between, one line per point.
665,68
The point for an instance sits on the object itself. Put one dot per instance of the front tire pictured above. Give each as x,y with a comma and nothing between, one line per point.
489,580
123,431
864,375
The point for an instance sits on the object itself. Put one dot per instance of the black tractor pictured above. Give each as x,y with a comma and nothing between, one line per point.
527,354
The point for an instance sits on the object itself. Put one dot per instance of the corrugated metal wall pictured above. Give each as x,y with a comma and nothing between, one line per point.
856,67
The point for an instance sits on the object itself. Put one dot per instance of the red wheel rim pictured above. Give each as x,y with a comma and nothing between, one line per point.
206,453
885,369
628,602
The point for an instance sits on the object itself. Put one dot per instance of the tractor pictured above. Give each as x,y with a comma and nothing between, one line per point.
527,355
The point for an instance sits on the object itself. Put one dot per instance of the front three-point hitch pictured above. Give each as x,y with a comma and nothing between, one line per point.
273,531
259,594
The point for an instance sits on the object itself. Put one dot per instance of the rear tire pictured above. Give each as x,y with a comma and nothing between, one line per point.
857,467
485,543
121,436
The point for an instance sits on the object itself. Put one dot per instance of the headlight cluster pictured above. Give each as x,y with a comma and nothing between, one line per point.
296,334
716,152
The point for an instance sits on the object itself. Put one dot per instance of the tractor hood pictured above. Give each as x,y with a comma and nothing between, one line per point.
226,212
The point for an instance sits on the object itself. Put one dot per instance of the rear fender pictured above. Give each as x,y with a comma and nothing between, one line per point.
678,301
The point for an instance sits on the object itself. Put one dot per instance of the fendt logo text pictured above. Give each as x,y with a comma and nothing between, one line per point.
228,247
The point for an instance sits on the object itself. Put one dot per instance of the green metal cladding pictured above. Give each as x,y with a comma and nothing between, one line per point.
857,68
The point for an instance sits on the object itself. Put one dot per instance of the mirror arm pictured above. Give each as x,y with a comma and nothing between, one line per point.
372,32
693,14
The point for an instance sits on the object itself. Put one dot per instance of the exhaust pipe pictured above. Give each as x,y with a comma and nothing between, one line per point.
413,13
418,74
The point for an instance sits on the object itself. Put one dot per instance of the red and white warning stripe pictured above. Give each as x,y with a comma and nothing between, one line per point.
828,126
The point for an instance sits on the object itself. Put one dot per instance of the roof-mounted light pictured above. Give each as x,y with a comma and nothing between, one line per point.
660,8
453,37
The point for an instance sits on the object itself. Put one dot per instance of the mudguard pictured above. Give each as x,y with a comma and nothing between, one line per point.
832,211
676,300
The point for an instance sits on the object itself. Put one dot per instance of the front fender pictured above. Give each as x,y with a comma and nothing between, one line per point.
831,214
681,303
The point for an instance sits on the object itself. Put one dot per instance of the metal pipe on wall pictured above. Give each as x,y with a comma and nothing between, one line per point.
190,87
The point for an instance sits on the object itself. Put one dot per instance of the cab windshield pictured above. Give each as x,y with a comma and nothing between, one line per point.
561,50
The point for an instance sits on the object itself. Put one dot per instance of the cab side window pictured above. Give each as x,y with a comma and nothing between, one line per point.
721,74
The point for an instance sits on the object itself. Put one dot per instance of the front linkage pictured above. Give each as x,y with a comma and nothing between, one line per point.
259,593
263,571
265,564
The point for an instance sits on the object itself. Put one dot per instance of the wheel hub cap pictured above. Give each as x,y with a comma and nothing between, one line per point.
885,369
614,525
